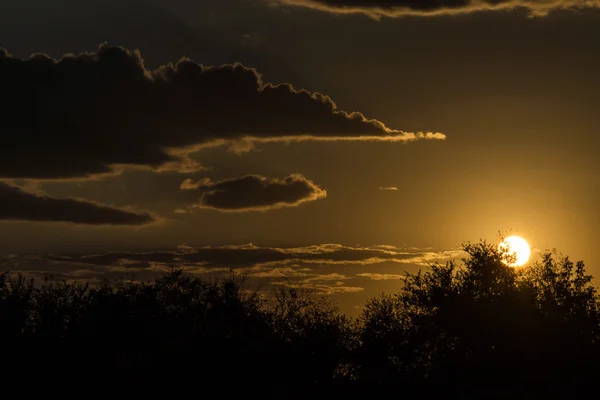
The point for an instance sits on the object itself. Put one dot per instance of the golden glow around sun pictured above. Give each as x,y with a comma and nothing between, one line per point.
518,247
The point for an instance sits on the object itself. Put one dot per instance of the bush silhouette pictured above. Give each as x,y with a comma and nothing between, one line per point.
478,320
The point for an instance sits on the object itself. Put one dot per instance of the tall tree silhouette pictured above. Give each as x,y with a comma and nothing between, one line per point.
485,322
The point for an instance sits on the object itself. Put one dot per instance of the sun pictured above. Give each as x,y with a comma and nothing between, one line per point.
518,247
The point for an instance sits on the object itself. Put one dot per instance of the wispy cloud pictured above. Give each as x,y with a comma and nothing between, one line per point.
424,8
324,267
323,289
381,277
250,255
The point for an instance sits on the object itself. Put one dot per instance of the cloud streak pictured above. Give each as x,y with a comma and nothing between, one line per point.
19,205
250,256
254,193
324,268
381,277
95,113
401,8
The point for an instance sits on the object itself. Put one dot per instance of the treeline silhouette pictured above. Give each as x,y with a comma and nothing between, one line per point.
475,322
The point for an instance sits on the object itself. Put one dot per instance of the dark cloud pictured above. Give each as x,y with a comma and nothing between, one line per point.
254,193
398,8
162,29
19,205
91,113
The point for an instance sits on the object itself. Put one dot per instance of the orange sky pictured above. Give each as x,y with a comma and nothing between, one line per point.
515,97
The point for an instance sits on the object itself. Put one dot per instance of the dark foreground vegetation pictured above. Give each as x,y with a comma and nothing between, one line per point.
474,323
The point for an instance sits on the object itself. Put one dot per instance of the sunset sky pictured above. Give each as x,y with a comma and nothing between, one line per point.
472,117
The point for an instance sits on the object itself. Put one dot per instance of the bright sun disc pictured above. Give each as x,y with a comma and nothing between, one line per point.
517,246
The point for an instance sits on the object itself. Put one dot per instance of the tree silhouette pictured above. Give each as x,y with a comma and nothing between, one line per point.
476,322
485,322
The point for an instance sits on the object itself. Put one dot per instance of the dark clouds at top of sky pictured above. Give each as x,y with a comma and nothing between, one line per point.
253,192
399,8
163,30
19,205
84,114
